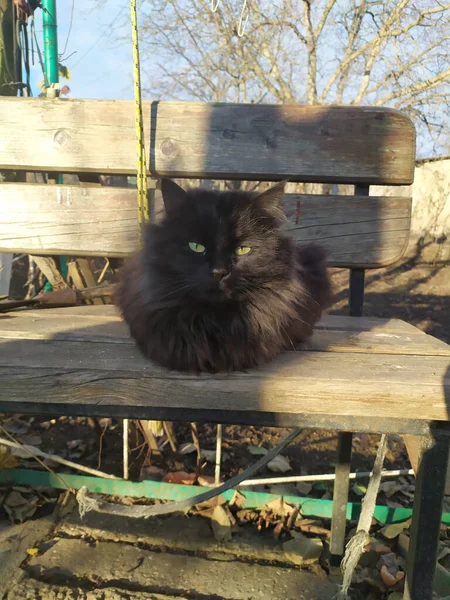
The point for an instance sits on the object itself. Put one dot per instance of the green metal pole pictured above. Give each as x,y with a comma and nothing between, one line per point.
51,62
50,41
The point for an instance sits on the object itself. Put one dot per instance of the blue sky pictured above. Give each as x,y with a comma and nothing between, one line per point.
101,67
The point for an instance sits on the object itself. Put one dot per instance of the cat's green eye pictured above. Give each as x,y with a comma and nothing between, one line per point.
243,250
199,248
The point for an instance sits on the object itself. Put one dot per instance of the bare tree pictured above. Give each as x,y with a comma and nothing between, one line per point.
392,53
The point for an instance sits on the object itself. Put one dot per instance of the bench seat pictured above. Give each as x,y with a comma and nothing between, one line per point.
362,374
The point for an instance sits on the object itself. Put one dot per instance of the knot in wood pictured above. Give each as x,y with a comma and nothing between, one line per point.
169,147
62,137
229,134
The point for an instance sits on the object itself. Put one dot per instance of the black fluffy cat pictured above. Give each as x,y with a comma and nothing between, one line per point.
218,286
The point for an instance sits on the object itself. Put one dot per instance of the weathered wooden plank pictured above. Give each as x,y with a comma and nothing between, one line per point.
356,230
104,314
315,383
81,328
263,142
413,445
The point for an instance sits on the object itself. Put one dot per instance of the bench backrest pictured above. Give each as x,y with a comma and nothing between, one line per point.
354,145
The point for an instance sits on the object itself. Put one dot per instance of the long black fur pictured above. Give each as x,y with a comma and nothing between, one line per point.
184,319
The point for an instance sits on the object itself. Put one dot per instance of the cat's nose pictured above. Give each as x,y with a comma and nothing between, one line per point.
220,274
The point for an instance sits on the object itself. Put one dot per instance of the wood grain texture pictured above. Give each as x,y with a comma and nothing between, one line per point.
83,362
106,314
356,230
37,373
263,142
366,337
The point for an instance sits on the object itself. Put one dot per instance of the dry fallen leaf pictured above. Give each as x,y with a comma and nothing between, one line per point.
18,507
22,452
359,489
301,549
210,456
211,503
311,528
152,473
388,579
187,448
32,439
278,514
180,477
304,487
221,524
7,460
257,450
105,422
16,426
392,531
238,500
279,464
280,508
32,551
390,488
206,480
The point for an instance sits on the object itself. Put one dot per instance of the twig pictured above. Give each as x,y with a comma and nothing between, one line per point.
99,462
218,453
356,545
194,433
149,436
28,449
35,453
102,274
169,433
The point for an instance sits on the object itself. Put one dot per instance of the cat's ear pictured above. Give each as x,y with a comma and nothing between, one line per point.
173,196
271,200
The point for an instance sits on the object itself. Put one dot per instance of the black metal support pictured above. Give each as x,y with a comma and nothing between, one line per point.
356,300
340,498
426,520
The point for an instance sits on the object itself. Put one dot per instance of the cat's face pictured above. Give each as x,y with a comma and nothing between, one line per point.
217,246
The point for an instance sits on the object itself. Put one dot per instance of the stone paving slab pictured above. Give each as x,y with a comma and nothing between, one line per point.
191,534
130,568
30,589
14,542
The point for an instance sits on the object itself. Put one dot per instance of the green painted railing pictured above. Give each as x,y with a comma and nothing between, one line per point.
168,491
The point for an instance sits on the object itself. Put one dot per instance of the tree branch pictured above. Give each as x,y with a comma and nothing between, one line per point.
416,89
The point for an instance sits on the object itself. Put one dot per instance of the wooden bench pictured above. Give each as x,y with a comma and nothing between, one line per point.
358,374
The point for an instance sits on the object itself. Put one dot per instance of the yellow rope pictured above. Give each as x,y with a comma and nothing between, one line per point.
143,213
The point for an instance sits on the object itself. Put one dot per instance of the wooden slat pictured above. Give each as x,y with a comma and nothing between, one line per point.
65,376
77,327
105,314
262,142
357,230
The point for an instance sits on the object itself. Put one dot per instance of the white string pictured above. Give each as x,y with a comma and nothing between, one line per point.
214,5
358,542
